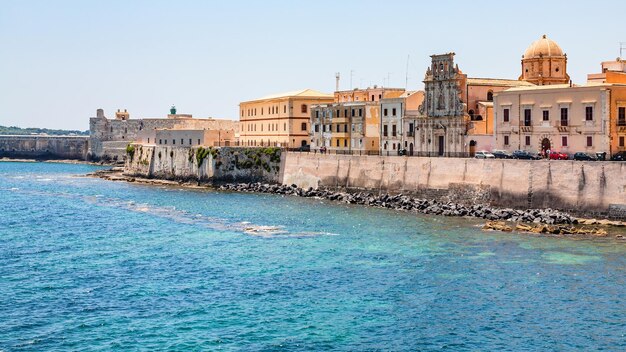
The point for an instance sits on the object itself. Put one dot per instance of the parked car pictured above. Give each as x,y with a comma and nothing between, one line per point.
501,154
584,156
619,156
522,154
554,155
305,148
482,154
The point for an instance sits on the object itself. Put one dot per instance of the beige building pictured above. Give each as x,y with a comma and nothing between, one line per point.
281,120
544,63
188,138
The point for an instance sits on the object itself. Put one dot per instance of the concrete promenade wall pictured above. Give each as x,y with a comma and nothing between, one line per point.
44,147
584,188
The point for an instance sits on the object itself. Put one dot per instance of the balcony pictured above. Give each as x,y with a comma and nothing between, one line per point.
563,128
526,128
410,134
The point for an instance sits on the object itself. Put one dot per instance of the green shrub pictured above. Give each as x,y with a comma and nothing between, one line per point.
130,150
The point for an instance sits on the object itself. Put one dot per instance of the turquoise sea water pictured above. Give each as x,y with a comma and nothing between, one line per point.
88,264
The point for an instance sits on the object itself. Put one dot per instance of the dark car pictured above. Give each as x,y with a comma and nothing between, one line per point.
305,148
619,156
522,154
501,154
584,156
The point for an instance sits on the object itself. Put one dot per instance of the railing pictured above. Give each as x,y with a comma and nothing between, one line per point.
384,153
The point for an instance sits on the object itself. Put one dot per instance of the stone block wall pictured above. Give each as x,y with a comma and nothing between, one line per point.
204,164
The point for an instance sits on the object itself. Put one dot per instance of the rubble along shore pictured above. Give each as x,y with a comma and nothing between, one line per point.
528,220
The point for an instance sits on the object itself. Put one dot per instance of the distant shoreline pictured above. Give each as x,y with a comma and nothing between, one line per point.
59,161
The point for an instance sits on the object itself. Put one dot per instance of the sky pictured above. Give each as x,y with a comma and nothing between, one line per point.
62,60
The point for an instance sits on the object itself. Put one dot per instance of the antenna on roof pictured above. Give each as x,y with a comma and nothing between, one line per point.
351,74
337,76
406,77
622,46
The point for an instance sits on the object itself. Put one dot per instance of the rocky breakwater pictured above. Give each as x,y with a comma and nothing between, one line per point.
408,203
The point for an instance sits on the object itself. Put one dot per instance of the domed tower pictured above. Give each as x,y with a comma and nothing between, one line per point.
544,63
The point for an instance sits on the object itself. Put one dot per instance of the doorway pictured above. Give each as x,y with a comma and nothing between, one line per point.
472,149
545,145
441,148
411,149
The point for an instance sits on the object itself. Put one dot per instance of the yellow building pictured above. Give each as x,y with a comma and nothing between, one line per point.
614,73
281,120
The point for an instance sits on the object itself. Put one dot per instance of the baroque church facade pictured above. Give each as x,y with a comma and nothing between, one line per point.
443,121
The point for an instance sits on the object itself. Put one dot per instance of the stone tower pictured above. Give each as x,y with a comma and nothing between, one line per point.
443,84
544,63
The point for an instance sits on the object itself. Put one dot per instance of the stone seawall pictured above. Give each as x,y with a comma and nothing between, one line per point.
211,165
44,147
583,188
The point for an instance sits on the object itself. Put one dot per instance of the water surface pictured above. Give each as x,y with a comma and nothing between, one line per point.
88,264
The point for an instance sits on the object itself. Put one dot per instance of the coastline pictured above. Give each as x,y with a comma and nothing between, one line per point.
58,161
531,221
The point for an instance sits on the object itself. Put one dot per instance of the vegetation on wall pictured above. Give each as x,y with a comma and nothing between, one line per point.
202,153
130,150
14,130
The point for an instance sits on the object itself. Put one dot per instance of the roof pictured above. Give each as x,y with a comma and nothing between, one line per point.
561,86
297,93
543,47
498,82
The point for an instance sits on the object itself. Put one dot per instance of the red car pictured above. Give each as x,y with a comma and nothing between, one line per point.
558,156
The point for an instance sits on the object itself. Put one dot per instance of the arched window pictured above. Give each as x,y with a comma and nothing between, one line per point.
489,96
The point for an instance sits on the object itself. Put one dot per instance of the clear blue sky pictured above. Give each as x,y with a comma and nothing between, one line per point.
61,60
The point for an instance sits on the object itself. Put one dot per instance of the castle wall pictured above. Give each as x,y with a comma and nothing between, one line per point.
44,147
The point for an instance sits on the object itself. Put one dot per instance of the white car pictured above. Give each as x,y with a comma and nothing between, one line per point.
484,155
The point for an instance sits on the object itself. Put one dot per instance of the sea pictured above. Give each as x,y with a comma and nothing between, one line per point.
93,265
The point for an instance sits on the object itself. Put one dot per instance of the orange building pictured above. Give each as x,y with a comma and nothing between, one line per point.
281,120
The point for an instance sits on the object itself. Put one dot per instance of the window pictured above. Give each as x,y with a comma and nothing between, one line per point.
111,129
385,131
564,141
160,141
506,140
303,108
352,112
198,141
261,111
621,116
373,97
621,141
337,142
564,113
360,112
165,141
527,118
393,130
181,142
589,141
345,142
345,127
173,141
285,126
489,96
285,109
317,128
546,115
393,112
589,113
338,128
527,140
148,140
241,113
385,112
304,126
189,141
506,115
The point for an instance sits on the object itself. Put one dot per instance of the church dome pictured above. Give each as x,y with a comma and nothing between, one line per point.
543,47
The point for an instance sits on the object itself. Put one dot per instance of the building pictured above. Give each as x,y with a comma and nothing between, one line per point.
352,122
412,102
565,117
108,138
281,120
190,138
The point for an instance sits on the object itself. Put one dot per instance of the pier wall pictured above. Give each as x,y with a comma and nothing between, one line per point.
585,188
44,147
